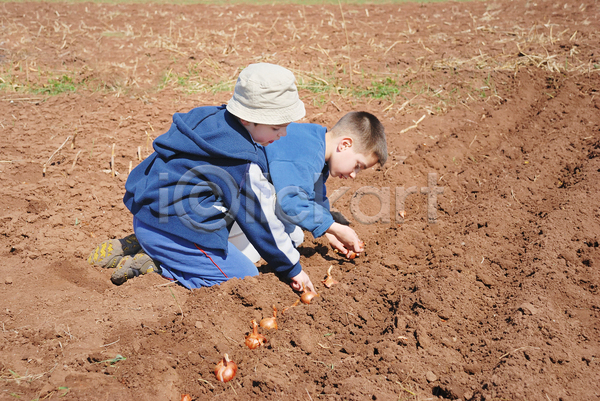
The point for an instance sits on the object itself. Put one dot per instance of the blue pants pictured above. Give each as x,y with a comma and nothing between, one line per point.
190,264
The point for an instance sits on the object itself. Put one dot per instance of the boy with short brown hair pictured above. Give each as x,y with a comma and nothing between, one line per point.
301,162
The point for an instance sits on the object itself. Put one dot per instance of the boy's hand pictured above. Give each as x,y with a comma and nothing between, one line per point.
336,244
302,281
344,239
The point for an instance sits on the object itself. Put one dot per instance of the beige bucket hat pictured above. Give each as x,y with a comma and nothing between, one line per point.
266,94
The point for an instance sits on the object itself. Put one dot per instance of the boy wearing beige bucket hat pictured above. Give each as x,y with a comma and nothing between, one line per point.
207,173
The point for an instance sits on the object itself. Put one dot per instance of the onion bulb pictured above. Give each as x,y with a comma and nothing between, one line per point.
329,281
225,369
186,397
254,339
307,295
270,322
351,254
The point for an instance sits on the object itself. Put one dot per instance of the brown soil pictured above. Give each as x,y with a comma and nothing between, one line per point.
495,299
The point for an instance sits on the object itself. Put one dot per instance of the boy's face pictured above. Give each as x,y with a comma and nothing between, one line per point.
265,134
346,163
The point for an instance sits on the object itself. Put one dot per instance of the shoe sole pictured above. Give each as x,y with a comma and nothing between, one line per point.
131,267
110,252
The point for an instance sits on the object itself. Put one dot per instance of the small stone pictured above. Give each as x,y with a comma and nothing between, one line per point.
444,314
485,279
528,309
506,264
472,368
430,376
429,301
447,342
423,338
8,280
569,256
198,324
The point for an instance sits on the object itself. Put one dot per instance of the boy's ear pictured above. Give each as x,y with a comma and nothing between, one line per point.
245,123
345,143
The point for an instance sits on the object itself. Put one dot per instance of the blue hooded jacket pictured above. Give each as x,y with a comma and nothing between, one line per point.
207,172
299,179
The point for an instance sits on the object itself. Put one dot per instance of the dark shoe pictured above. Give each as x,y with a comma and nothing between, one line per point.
110,252
133,266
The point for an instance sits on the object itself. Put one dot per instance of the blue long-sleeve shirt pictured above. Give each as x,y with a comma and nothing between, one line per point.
298,171
207,172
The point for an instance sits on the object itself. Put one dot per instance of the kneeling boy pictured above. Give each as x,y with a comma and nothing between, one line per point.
207,172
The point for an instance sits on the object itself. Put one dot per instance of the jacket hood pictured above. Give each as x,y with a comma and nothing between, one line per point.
195,134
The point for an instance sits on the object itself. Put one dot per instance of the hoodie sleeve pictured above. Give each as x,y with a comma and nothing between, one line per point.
301,195
263,229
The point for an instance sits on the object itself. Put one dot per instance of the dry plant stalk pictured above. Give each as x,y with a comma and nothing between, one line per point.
386,171
347,43
75,160
112,161
407,102
415,125
54,154
148,142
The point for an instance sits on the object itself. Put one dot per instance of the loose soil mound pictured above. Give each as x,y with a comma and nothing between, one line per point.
485,288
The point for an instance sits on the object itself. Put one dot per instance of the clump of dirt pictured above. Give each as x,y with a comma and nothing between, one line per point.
480,276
